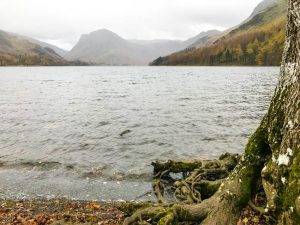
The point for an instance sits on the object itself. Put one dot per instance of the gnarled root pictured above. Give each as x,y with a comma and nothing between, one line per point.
218,210
131,207
165,215
227,160
158,189
213,191
200,179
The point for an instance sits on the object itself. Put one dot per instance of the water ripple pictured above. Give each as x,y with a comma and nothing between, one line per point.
61,126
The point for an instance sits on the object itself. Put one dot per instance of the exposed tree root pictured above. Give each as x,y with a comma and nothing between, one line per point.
199,179
165,215
209,191
158,189
258,209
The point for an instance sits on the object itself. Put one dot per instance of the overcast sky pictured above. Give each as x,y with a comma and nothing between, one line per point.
61,22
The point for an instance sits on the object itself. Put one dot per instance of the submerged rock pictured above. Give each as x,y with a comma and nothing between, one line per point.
125,132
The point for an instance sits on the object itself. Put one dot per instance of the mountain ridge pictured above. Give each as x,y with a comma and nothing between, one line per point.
105,47
18,50
43,44
256,41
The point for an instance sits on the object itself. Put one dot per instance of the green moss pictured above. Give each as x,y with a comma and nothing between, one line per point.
224,156
292,189
256,154
258,144
167,220
185,167
207,189
156,182
158,214
131,207
184,215
176,166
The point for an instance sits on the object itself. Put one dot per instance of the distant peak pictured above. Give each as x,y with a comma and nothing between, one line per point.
103,30
263,5
101,34
211,31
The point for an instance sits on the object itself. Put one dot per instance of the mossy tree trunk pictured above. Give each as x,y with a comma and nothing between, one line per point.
272,157
281,175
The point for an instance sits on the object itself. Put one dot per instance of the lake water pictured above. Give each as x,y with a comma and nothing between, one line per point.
60,126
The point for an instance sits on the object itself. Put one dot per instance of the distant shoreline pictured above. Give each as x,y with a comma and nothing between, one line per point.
23,66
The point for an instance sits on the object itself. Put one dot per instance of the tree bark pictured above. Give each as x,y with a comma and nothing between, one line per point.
281,175
272,156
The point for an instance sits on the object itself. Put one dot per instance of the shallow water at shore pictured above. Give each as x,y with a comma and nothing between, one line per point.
60,126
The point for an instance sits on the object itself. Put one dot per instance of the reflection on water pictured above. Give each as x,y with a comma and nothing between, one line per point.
60,126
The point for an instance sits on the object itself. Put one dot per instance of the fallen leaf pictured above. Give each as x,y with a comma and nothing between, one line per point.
255,219
245,220
96,206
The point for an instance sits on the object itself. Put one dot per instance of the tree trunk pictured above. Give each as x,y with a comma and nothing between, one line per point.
272,157
281,175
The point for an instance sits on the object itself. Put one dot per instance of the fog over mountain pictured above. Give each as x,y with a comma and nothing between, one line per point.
61,23
103,47
109,46
61,52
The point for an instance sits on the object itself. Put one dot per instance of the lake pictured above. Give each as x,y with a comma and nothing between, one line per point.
60,126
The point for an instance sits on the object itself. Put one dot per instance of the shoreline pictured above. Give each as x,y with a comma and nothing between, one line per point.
78,212
59,212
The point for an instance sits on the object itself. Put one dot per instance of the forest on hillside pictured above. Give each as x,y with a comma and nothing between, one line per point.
261,46
41,59
7,59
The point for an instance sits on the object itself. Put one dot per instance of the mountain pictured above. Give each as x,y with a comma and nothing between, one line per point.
256,41
15,50
203,35
18,50
106,47
263,6
103,47
58,50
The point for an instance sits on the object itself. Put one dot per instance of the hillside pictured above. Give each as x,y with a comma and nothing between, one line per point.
103,47
18,50
15,50
57,50
257,41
